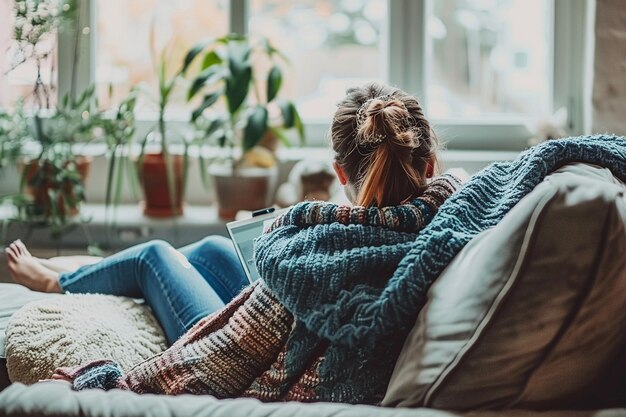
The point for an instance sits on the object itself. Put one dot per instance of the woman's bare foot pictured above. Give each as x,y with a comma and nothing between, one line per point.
26,270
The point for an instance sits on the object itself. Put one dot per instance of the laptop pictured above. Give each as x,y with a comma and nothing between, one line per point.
243,233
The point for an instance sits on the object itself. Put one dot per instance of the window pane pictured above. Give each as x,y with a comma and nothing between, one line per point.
331,45
489,58
123,52
20,81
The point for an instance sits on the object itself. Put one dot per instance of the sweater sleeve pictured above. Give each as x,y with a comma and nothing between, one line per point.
103,374
223,353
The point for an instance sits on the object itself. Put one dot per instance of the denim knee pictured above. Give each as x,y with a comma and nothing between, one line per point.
213,245
158,249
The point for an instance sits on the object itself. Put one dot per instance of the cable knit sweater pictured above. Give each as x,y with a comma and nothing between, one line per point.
341,290
255,348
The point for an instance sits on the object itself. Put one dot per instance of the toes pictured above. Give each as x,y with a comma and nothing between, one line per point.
17,246
16,249
10,254
22,247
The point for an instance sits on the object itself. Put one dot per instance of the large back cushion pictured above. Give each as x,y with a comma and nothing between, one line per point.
532,312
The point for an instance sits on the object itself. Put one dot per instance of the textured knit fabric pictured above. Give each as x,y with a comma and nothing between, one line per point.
367,315
350,292
247,348
67,330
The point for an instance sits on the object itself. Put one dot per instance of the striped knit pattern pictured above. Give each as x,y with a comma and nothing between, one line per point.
410,217
221,355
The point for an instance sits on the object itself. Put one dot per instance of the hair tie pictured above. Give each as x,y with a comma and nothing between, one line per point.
361,116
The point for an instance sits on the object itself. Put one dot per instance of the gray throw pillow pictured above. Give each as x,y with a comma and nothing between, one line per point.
531,312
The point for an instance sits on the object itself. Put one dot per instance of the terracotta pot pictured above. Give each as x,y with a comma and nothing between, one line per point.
269,141
40,191
245,189
157,197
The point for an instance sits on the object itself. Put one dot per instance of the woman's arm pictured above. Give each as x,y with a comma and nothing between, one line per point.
221,355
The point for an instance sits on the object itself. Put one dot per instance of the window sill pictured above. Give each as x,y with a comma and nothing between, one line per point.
127,226
200,218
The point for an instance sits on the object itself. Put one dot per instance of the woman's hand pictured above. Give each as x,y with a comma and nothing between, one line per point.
59,377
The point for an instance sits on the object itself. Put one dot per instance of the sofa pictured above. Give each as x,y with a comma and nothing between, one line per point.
527,320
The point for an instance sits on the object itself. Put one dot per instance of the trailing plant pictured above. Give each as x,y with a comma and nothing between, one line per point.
50,169
118,132
13,129
43,140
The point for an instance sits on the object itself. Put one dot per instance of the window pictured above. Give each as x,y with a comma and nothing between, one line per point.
483,69
130,36
486,61
331,45
18,79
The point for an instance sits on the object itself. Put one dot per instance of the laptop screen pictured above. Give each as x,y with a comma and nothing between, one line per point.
243,233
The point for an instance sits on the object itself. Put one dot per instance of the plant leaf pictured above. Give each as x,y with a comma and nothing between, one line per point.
269,49
109,185
208,76
274,81
207,102
210,59
237,90
289,113
221,141
281,136
238,84
185,168
213,127
299,125
255,127
193,53
238,57
204,175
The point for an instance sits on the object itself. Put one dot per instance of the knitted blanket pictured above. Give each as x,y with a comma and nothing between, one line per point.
327,293
348,284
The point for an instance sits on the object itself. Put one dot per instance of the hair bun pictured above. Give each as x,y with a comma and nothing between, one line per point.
369,107
379,117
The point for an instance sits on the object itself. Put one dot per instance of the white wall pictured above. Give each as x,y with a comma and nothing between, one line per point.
609,90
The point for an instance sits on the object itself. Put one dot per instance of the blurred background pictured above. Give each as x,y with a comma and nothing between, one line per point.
493,76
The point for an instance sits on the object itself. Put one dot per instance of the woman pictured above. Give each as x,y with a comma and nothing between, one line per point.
385,152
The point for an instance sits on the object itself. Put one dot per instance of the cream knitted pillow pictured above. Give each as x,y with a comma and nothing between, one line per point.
70,330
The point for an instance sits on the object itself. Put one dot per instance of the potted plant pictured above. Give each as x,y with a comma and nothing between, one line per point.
248,181
162,173
43,141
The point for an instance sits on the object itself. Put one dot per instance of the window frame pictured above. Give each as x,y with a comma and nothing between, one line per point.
406,45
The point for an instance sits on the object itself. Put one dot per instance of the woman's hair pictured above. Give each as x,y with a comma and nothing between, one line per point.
384,144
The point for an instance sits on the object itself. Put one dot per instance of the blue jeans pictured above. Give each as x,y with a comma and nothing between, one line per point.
181,286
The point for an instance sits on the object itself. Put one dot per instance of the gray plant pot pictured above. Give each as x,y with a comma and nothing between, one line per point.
242,189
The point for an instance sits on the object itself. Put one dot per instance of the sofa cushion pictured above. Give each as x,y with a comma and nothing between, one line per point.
71,330
531,312
57,399
12,298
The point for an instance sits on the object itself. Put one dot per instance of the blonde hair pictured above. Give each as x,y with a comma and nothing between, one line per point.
384,144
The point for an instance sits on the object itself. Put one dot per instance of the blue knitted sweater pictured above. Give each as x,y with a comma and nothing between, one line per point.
335,280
